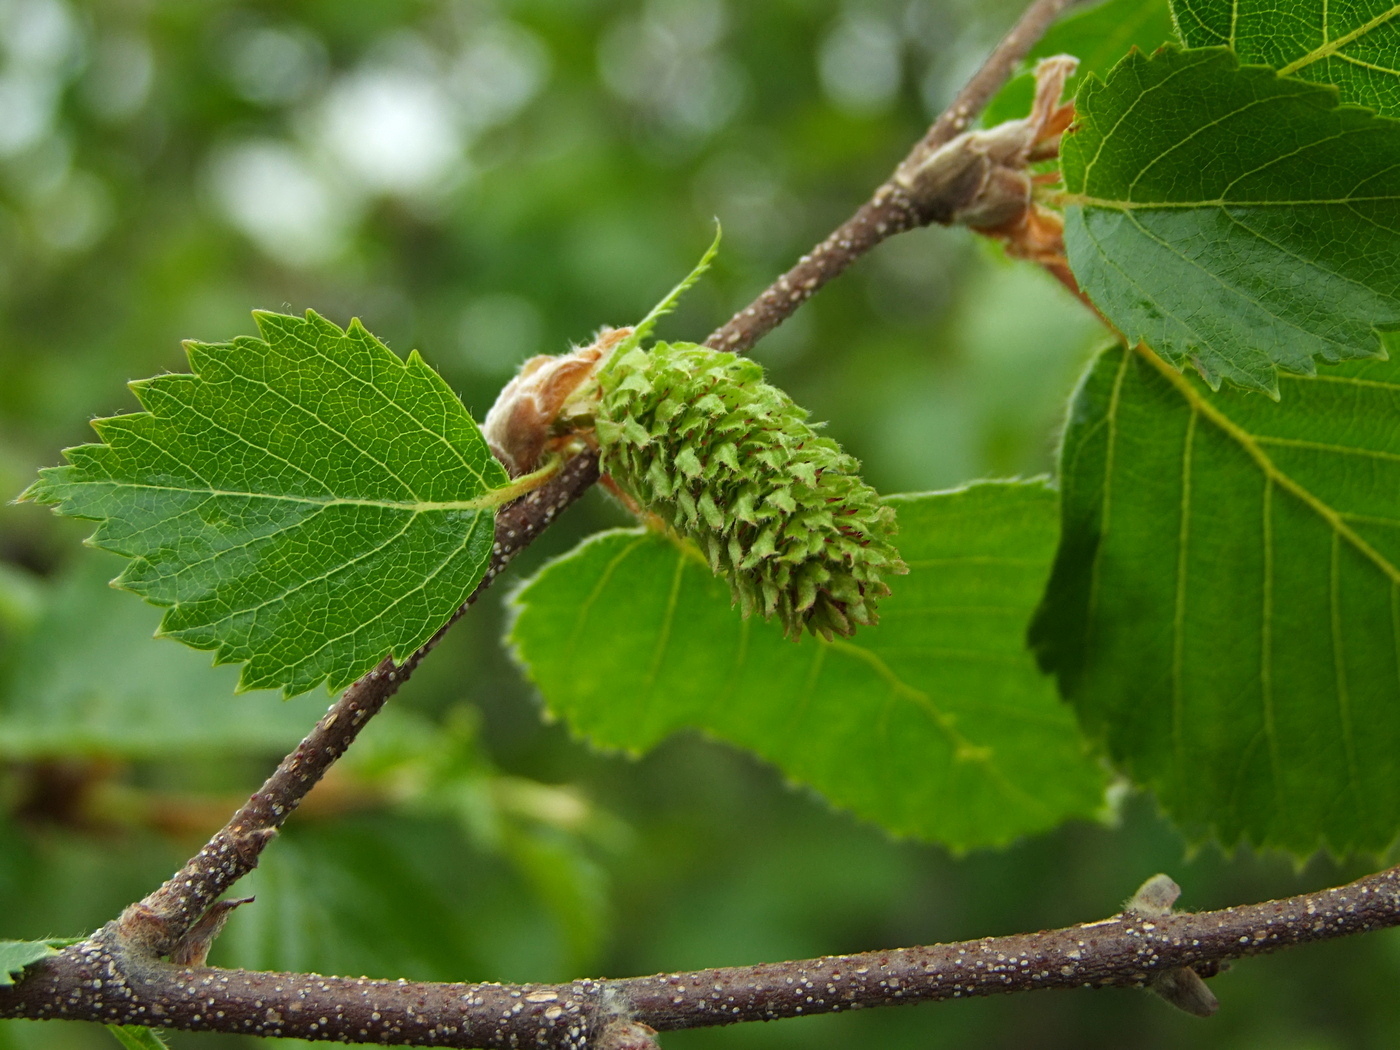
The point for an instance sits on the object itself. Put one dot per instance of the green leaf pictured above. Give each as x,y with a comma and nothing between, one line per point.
1231,218
1099,36
118,695
304,505
16,955
134,1037
935,723
1225,606
1351,45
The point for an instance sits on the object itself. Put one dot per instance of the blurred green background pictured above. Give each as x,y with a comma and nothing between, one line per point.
486,181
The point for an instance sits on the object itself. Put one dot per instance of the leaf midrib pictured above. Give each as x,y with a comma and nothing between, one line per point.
486,501
1332,47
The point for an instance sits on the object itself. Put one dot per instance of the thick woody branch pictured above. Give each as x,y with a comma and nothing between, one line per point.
98,981
896,206
161,920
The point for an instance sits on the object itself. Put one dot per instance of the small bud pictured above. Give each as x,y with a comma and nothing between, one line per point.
628,1035
1154,897
981,178
1184,989
141,929
249,844
1181,986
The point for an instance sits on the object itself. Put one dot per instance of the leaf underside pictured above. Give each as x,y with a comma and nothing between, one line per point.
1232,219
1351,45
305,504
1225,606
934,724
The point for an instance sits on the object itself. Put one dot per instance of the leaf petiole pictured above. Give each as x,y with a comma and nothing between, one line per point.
522,485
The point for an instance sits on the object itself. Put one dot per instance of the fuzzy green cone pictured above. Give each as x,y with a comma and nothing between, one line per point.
731,463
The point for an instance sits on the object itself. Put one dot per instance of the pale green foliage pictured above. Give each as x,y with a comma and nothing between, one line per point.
934,724
731,463
305,504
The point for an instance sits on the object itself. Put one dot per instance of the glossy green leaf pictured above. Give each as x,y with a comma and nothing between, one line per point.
124,695
16,955
1352,44
935,723
1232,219
305,504
1225,606
134,1037
1099,35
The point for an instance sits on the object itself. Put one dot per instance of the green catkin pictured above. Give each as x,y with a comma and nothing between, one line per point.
731,463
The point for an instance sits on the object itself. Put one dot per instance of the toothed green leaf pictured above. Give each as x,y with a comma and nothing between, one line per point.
304,504
934,724
1232,219
1225,607
1351,45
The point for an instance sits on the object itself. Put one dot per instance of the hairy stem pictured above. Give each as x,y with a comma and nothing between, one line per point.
98,981
892,208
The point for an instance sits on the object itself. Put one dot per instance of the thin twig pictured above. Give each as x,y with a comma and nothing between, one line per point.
160,920
95,982
892,208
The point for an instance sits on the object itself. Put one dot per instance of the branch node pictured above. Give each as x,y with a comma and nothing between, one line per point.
1181,986
981,178
142,930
